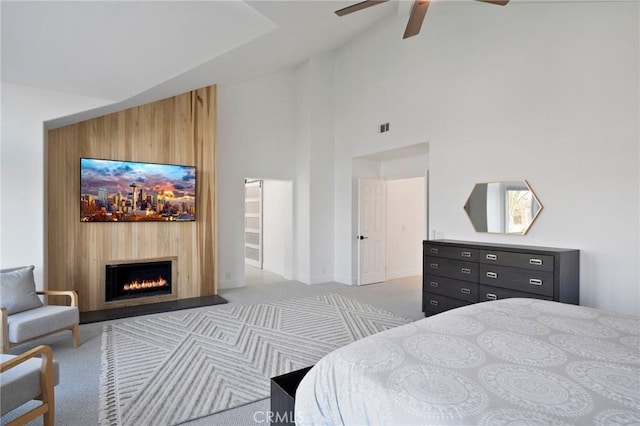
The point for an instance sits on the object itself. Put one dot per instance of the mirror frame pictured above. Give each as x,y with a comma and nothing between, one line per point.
534,200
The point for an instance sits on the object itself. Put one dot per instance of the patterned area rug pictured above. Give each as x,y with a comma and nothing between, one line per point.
180,366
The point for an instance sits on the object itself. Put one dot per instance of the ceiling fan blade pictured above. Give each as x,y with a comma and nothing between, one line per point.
498,2
358,6
418,11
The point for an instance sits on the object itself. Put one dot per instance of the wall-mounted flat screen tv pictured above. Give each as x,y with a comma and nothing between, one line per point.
127,191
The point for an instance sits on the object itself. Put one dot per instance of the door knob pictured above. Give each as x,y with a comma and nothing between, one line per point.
361,237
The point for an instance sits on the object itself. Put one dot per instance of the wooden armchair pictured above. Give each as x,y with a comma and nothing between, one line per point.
41,321
24,378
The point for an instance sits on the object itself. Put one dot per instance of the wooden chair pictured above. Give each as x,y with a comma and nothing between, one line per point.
24,378
42,321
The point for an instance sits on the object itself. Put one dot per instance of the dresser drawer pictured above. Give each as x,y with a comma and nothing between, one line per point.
463,290
454,252
517,260
487,293
435,303
537,282
466,271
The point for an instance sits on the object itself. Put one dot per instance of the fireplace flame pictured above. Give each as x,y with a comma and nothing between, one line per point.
144,284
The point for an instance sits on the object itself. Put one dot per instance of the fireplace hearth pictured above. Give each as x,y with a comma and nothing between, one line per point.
140,279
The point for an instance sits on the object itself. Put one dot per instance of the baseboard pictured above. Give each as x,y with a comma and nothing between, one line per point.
343,279
224,285
288,275
304,280
401,274
273,268
320,279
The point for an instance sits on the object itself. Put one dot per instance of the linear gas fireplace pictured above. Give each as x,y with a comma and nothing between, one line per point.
139,279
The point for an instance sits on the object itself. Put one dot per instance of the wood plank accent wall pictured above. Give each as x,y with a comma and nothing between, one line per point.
177,130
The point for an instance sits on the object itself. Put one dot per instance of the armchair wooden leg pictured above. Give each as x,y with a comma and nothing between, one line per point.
4,330
49,416
46,379
76,335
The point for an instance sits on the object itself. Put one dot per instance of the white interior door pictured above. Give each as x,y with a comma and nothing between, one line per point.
253,223
372,198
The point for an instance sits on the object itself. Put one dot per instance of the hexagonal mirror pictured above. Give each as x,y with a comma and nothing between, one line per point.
502,207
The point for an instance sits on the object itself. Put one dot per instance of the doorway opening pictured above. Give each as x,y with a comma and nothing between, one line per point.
253,223
390,214
268,231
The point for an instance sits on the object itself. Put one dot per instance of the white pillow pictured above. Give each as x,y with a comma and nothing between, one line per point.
18,290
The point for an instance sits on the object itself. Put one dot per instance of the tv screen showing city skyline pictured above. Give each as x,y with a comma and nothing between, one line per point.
128,191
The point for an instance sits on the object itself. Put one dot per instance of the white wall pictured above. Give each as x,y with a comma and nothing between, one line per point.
22,173
277,222
255,137
398,168
405,226
321,168
546,92
302,184
280,127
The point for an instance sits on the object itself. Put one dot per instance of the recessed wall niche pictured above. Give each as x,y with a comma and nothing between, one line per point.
176,130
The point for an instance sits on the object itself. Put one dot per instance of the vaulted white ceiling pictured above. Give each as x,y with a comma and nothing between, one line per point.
117,50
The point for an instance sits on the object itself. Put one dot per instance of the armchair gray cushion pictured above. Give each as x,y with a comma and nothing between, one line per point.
18,290
23,317
38,322
22,383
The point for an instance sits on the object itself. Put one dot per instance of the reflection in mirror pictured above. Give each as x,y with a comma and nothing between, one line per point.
502,207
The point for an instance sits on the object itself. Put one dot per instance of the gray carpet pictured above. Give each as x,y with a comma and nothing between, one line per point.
177,367
77,395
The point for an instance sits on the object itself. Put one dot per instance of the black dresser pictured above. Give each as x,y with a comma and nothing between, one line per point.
458,273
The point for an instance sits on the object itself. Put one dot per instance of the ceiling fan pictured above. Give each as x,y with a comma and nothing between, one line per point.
418,11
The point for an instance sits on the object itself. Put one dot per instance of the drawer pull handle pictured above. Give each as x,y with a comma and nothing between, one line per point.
433,302
492,257
492,275
491,296
535,281
434,284
465,270
537,262
465,291
466,254
434,266
434,250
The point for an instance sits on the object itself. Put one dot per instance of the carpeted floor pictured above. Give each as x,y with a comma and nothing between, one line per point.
77,396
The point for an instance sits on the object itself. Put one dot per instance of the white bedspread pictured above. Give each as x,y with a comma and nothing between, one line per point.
512,361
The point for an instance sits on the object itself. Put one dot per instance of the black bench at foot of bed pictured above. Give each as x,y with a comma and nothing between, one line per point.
283,396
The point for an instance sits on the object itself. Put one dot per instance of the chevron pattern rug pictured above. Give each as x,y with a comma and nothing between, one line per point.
180,366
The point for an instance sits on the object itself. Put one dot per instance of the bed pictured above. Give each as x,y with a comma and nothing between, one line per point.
511,361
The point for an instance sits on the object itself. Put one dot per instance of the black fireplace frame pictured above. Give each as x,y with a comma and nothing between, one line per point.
119,272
